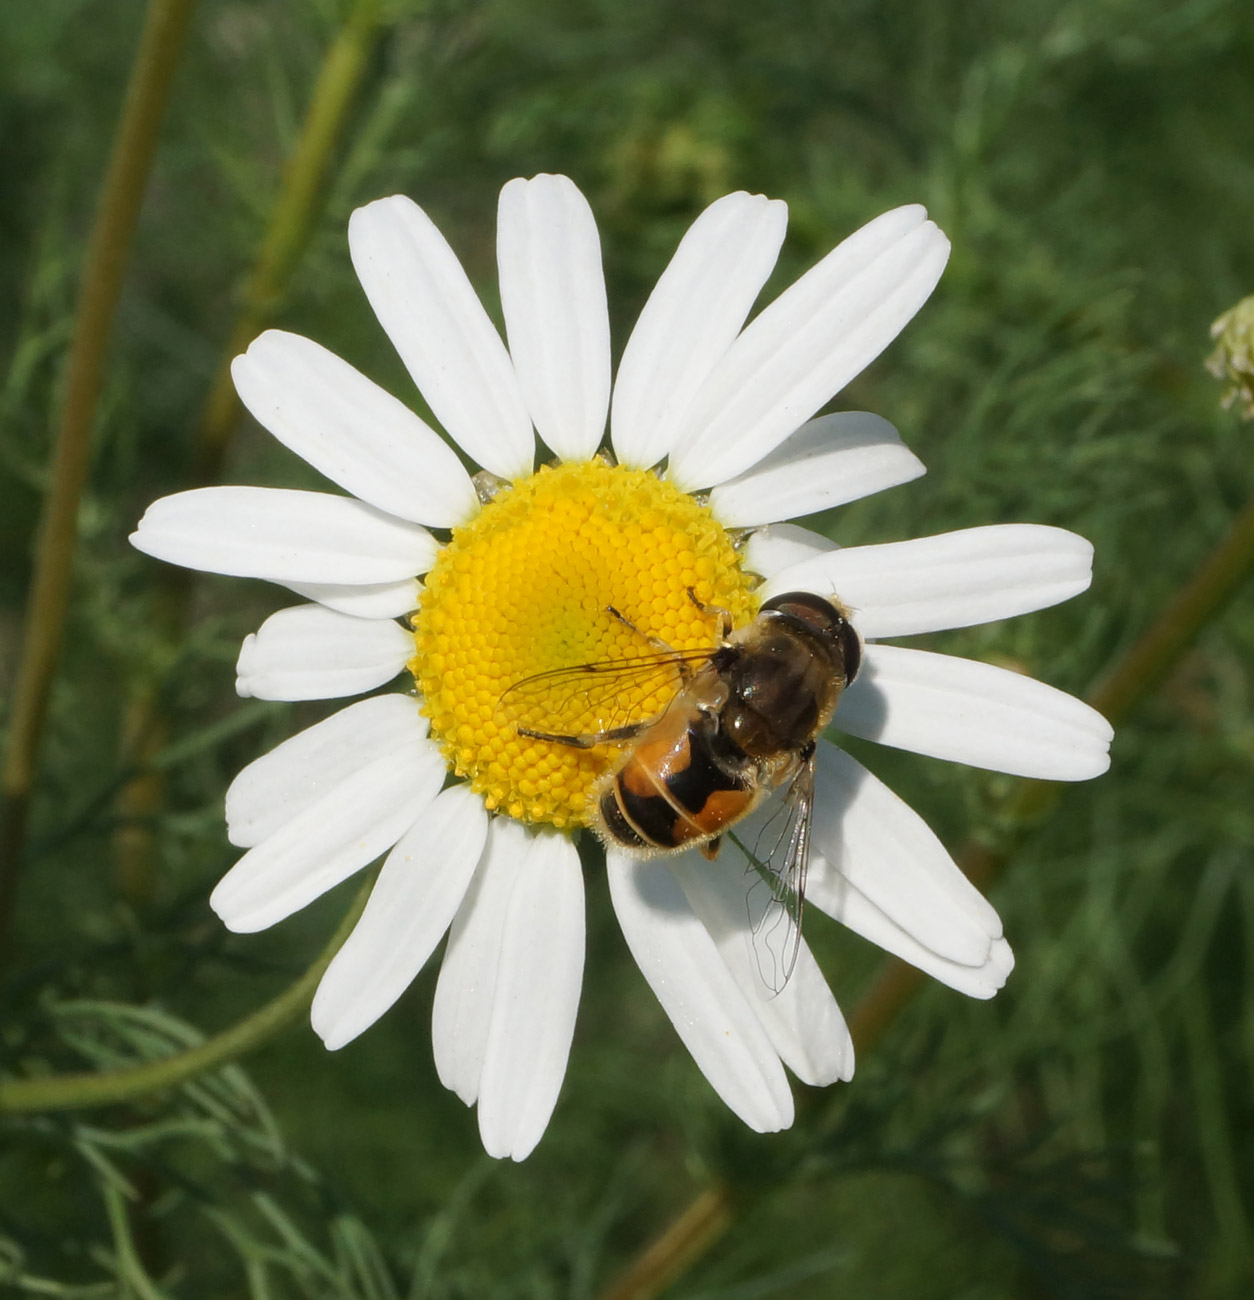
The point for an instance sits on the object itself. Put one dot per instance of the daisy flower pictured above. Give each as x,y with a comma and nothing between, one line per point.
467,586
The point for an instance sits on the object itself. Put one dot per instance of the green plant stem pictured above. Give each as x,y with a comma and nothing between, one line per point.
292,219
76,1091
715,1208
108,249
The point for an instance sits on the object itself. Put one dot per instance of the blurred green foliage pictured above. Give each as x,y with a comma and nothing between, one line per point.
1090,1133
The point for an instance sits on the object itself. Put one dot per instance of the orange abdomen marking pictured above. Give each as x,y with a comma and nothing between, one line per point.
676,788
719,811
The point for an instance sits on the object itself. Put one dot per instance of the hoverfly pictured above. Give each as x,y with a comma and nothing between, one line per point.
743,721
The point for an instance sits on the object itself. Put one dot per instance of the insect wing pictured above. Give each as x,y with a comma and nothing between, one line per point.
596,703
779,856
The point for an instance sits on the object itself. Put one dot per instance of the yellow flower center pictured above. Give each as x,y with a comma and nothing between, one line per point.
528,586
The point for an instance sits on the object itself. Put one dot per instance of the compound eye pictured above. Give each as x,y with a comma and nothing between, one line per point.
815,612
850,650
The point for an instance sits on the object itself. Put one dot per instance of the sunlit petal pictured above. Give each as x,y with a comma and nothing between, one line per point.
974,713
308,652
928,584
284,536
539,974
688,976
419,889
437,324
827,462
352,431
553,297
807,345
693,315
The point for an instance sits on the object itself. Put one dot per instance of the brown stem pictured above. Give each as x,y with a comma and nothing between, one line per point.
702,1222
292,219
108,250
1192,607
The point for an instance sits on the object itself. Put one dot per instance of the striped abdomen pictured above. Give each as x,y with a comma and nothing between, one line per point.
682,784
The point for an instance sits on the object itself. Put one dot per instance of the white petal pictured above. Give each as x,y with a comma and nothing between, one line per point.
807,345
283,536
436,322
553,297
975,575
420,887
970,712
379,600
771,550
308,766
326,842
827,462
690,320
888,852
466,989
832,893
352,431
802,1019
538,981
311,653
683,967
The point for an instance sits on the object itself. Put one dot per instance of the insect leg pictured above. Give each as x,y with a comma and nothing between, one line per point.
586,740
724,615
655,641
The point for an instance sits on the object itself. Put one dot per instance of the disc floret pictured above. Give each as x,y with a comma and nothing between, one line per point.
528,586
